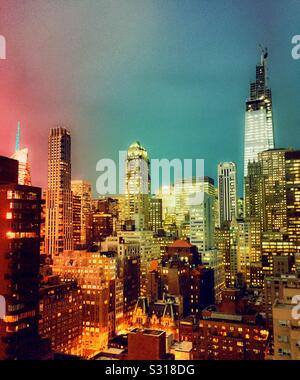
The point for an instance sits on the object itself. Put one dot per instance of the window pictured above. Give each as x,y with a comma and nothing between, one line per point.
283,323
283,339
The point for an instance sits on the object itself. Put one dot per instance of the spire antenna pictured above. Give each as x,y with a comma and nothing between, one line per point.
18,136
264,54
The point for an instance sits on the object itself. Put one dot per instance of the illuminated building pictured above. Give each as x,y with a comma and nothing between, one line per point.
149,251
155,214
105,218
59,229
83,190
275,244
127,277
76,221
292,173
202,223
167,195
43,224
273,289
187,252
275,240
20,210
271,208
213,259
137,186
112,207
243,249
182,350
253,191
286,328
274,190
174,274
227,196
240,208
102,226
163,313
189,194
183,190
61,314
258,116
229,331
21,155
253,211
24,171
129,272
87,269
233,241
163,239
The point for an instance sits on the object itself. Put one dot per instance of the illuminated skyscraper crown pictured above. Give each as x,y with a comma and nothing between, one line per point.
21,155
136,150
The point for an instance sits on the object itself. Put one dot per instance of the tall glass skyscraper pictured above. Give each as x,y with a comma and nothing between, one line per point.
137,186
259,134
21,155
59,221
227,189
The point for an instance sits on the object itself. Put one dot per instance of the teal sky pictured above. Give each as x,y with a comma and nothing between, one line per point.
173,74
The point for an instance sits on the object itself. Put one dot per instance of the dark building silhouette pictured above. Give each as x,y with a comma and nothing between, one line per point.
20,210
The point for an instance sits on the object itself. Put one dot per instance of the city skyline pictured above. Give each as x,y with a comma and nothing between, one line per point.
150,201
194,73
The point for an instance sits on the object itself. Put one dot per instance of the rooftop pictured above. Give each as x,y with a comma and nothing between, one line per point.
147,332
181,244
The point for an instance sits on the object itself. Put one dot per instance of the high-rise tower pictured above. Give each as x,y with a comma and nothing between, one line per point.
259,135
20,218
83,190
21,155
137,186
59,230
227,187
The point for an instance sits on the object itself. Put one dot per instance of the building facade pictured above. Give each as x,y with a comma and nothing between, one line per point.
59,218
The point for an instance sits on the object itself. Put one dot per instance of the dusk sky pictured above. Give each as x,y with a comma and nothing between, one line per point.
173,74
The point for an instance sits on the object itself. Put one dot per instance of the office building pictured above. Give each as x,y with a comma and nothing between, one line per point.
20,210
228,331
155,214
259,134
83,190
152,341
137,186
59,218
227,192
201,217
286,328
61,317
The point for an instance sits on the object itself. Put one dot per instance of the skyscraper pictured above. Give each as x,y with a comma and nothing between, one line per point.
21,155
59,230
83,190
280,205
227,187
259,135
20,210
137,186
202,223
